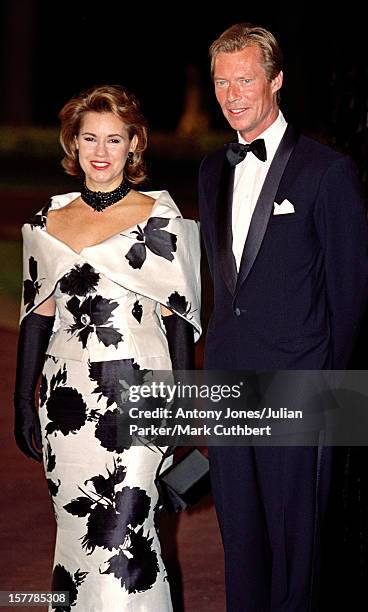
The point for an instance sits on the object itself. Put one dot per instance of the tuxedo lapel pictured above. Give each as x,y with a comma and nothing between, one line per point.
264,206
224,225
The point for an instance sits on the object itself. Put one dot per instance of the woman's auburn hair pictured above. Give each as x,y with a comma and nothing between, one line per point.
104,99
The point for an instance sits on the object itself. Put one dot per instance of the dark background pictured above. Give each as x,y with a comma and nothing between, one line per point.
51,50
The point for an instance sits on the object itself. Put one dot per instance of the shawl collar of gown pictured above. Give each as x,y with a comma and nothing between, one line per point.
156,258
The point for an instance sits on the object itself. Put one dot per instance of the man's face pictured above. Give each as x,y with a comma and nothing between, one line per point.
247,98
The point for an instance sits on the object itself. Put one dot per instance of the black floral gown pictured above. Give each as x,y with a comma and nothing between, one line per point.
107,335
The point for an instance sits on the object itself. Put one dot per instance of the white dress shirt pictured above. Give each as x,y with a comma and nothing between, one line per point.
248,181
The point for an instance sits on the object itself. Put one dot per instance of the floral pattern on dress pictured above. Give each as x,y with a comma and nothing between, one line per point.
152,237
113,519
39,220
32,286
60,396
137,311
114,379
92,315
179,304
62,580
81,280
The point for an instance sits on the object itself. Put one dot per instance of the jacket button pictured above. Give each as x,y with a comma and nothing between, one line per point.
237,312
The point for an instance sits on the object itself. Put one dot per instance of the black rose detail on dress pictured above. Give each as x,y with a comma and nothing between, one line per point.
66,408
31,287
113,518
92,316
114,378
112,431
152,237
80,280
106,486
179,303
137,572
39,220
62,580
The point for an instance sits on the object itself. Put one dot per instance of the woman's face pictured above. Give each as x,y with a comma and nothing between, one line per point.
103,145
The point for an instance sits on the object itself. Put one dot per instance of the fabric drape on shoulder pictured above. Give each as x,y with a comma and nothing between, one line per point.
159,259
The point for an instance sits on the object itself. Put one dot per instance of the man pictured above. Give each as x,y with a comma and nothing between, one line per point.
286,238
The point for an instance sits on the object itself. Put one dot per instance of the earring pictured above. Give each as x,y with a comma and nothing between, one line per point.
130,157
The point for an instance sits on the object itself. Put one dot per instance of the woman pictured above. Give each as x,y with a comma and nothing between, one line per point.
107,262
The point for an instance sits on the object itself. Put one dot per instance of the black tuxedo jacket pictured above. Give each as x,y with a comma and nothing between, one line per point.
302,285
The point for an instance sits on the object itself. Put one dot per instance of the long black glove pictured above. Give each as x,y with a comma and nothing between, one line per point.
180,338
34,336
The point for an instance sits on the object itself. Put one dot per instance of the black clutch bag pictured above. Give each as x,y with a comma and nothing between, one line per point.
185,482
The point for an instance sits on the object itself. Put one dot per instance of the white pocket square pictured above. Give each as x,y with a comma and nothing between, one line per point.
285,208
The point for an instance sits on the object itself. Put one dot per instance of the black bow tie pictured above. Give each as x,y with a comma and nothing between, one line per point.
236,151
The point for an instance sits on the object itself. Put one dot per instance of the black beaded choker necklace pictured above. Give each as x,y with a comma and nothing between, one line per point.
99,200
